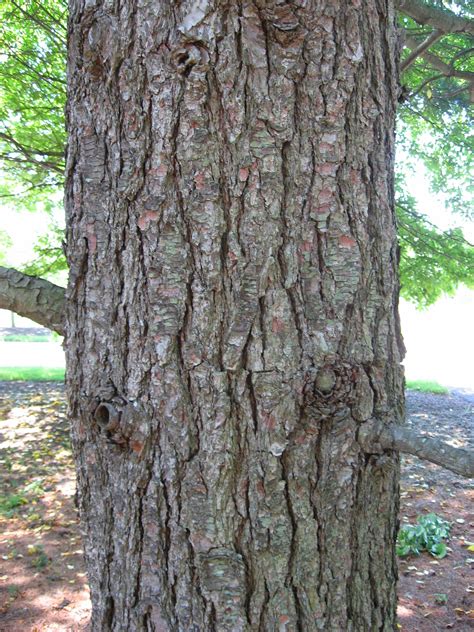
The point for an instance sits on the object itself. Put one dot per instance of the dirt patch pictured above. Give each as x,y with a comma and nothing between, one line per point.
438,594
43,586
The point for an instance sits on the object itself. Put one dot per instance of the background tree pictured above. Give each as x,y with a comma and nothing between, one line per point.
32,130
434,127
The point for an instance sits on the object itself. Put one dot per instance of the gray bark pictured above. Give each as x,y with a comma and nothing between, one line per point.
441,19
458,460
375,437
232,312
33,298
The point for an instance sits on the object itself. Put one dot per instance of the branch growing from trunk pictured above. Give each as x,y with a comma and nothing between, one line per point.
418,50
375,438
438,63
441,19
33,298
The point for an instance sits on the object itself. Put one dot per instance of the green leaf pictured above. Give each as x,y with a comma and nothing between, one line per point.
439,550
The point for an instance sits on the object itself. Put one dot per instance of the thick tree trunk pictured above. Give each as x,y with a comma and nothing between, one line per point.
232,312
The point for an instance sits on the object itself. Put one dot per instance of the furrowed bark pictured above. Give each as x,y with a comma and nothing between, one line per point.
441,19
232,315
32,297
457,460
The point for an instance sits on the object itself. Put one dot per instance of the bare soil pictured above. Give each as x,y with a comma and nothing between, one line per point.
43,586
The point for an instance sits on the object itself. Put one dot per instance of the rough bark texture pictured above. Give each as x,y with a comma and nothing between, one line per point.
232,312
34,298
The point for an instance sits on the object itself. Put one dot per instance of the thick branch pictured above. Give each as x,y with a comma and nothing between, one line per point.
33,298
374,438
441,19
416,52
438,63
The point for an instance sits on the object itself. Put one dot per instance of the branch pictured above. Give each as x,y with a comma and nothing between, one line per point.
416,52
376,438
33,298
438,63
441,19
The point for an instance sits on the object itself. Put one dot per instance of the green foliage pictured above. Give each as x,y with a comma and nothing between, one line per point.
427,535
432,262
32,73
426,386
40,559
49,253
5,244
10,503
435,121
434,127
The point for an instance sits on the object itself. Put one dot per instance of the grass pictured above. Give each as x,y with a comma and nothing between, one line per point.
31,374
426,386
25,338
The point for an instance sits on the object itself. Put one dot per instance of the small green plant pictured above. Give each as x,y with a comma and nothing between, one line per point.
31,492
35,488
10,502
40,559
427,535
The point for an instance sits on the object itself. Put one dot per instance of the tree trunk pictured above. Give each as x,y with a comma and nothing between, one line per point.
232,312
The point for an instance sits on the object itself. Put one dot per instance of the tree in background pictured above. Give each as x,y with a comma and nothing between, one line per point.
434,128
32,130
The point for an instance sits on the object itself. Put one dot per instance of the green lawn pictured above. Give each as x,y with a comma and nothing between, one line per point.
425,386
25,338
31,374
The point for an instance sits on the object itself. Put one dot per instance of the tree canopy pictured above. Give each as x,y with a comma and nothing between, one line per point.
434,128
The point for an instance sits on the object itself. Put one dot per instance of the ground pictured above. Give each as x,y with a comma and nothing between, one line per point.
43,585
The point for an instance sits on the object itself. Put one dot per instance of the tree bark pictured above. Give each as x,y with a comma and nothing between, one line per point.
376,438
33,298
232,312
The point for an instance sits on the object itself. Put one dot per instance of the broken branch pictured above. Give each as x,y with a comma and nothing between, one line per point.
376,438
